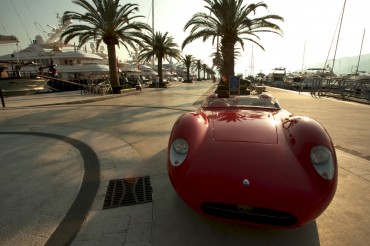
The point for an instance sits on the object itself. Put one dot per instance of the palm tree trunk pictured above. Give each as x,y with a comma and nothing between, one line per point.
229,60
160,73
113,73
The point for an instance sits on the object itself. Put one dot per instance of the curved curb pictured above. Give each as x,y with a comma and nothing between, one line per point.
77,213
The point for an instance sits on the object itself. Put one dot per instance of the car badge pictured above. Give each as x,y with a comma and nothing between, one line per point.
246,182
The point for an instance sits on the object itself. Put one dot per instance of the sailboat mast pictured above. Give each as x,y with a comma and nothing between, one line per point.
359,57
153,27
304,54
252,63
153,16
340,27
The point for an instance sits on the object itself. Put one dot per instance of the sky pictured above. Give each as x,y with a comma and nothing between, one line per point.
309,29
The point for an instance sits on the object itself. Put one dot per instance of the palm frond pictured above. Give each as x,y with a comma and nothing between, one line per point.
234,23
109,22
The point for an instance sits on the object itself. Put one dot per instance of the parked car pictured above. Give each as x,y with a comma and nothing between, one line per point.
246,160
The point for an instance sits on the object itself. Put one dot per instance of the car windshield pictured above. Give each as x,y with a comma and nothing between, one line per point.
264,101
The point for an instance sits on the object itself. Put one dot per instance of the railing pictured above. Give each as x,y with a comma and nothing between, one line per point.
352,89
357,89
20,74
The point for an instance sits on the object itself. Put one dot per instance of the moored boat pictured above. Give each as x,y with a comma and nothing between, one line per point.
15,82
52,58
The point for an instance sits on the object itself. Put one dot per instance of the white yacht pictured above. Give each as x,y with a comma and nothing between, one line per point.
133,69
13,82
277,76
52,58
134,72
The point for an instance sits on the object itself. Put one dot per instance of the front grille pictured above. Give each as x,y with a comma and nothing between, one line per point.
253,215
125,192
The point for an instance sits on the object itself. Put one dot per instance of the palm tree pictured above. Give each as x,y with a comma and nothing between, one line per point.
188,61
204,67
109,22
199,67
229,19
210,73
217,61
159,46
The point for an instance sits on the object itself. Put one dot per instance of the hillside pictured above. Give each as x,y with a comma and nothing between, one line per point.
345,65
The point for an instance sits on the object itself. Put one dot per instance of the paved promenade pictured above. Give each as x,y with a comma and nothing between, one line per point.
57,201
54,176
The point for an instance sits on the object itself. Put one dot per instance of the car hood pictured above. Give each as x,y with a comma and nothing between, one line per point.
244,126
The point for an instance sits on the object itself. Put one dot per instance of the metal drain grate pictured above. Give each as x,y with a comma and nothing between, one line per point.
126,192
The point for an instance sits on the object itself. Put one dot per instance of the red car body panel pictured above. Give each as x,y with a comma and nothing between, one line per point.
270,148
247,126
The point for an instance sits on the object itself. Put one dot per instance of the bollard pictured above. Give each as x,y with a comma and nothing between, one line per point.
2,98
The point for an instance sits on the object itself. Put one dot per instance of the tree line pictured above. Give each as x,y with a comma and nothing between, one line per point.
228,23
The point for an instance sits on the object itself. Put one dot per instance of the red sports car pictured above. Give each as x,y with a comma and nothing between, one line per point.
246,160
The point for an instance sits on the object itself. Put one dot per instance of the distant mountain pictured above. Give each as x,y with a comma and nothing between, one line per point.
348,64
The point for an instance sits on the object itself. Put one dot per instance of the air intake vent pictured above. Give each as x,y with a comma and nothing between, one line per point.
249,214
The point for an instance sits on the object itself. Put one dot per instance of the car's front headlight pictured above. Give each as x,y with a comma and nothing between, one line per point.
179,150
323,162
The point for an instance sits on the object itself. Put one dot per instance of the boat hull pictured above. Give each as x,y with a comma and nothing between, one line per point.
22,86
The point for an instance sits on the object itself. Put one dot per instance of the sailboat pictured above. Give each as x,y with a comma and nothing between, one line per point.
319,76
